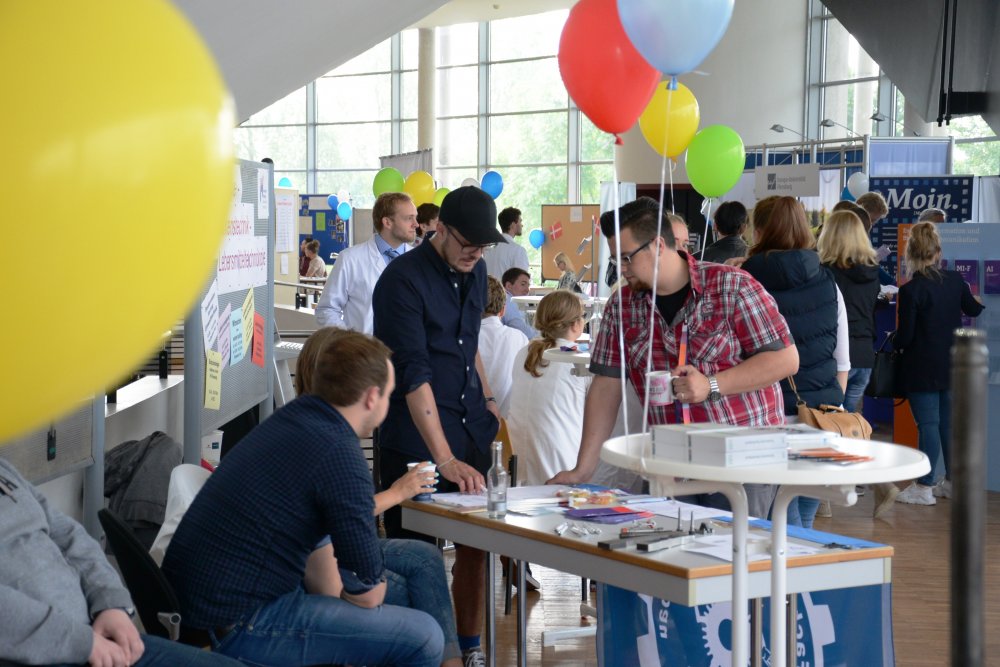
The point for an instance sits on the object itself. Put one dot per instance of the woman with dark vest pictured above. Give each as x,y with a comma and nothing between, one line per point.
931,306
783,260
845,249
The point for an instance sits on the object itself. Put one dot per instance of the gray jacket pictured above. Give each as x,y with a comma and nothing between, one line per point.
54,579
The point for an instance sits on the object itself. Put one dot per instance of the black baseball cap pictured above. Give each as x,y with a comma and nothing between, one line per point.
473,214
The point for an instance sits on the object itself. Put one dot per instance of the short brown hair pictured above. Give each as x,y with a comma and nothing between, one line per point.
496,297
385,206
339,365
874,204
784,227
312,246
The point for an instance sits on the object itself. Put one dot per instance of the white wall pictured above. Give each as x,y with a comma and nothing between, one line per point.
756,78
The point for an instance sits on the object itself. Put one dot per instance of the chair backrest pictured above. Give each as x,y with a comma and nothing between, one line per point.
151,592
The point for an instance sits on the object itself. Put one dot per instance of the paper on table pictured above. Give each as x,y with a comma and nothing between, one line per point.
669,508
514,495
721,547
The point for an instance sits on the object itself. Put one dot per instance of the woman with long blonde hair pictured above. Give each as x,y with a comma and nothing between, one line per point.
931,305
546,400
568,279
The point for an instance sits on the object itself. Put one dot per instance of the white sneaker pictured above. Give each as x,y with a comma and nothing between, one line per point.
943,489
474,657
916,494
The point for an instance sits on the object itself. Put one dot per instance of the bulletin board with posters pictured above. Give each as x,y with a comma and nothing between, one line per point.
228,342
575,230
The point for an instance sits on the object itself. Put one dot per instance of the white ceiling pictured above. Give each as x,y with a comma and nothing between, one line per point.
470,11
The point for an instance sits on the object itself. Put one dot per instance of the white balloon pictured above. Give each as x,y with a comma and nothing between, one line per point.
857,184
470,181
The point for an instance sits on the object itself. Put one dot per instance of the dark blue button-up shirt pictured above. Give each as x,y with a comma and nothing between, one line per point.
429,316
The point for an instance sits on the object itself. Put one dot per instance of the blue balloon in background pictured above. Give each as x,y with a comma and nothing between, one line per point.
492,184
333,202
285,182
344,210
846,194
536,238
674,36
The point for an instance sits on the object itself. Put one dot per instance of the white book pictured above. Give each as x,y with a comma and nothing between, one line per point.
676,435
737,440
672,452
754,457
801,435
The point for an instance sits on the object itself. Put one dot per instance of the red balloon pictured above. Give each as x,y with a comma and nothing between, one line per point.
605,75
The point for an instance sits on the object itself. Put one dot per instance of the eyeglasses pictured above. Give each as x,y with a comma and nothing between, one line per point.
627,259
467,247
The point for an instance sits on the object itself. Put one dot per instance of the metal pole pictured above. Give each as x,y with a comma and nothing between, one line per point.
968,504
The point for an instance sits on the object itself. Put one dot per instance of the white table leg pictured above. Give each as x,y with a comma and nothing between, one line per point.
737,496
841,495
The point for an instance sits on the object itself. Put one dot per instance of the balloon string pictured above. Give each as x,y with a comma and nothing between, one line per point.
621,311
708,218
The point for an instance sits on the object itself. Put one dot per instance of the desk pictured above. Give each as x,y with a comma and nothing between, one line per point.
679,576
826,481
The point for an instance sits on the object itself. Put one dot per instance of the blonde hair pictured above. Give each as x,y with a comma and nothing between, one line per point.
923,251
561,256
557,312
496,297
843,242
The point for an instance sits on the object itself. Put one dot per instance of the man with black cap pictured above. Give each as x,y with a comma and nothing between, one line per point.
428,306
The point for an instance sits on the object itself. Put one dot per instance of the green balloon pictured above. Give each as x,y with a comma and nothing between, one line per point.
715,159
439,195
387,180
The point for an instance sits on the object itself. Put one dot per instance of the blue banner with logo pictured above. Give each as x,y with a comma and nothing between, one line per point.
851,626
908,196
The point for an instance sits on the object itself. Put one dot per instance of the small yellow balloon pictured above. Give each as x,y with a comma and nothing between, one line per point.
118,170
669,133
439,195
420,186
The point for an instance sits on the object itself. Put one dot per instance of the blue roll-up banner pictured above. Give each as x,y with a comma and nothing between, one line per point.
908,196
836,628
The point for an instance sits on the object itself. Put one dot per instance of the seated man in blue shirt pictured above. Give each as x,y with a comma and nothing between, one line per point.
239,557
516,282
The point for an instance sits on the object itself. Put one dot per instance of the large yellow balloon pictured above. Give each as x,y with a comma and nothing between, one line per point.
420,186
670,133
116,178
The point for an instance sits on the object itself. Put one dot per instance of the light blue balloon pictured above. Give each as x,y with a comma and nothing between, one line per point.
344,210
674,36
846,194
536,238
285,182
333,202
492,184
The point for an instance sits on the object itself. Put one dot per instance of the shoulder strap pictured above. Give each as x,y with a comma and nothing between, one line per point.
798,399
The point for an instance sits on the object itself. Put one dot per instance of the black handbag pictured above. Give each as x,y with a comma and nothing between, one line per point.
884,382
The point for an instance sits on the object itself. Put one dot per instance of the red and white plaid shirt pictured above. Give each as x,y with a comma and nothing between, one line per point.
730,318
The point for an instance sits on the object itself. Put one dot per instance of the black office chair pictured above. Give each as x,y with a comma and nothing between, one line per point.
154,597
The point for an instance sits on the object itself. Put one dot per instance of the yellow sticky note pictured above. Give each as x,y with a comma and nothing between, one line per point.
213,379
248,308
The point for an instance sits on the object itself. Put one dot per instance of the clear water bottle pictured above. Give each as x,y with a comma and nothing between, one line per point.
497,481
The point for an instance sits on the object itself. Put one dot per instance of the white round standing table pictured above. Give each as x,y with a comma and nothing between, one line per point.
826,481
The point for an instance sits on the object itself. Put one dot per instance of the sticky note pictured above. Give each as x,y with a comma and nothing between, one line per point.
247,314
236,337
320,221
213,379
223,335
257,351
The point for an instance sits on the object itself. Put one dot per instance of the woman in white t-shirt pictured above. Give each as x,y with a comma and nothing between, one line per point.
546,400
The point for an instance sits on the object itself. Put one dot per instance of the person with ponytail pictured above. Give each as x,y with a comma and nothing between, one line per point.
931,305
546,400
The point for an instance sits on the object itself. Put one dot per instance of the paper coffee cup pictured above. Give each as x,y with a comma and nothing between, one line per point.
660,390
428,467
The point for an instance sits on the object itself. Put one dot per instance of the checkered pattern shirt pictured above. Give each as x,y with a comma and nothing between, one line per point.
729,317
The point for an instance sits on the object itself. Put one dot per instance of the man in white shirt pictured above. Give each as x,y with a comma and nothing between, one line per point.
516,282
498,344
510,254
347,297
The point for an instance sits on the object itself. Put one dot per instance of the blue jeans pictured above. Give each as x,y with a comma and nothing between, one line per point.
161,652
857,380
802,511
416,579
932,412
303,629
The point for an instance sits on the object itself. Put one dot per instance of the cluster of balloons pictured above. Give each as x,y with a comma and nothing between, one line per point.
857,185
90,109
343,208
612,54
420,185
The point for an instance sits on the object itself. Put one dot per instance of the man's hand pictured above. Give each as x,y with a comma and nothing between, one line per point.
569,478
115,625
412,482
468,478
691,386
106,653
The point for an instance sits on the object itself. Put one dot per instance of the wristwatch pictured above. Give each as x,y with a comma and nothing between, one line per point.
714,394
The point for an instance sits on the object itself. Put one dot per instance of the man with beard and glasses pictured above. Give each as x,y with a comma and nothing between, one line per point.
738,344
